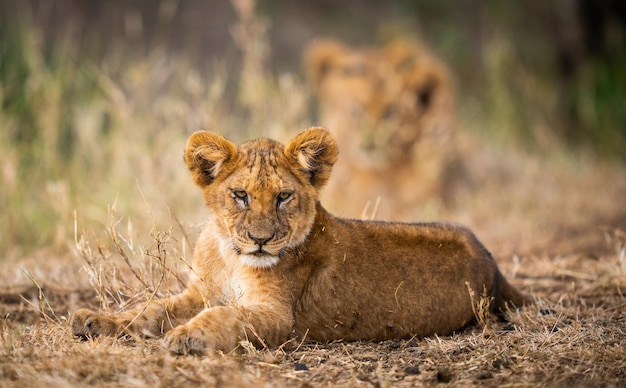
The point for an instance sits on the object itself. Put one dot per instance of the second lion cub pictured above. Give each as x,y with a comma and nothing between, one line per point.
272,263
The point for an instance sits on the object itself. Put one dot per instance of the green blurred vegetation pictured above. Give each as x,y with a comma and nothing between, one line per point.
75,135
90,115
85,137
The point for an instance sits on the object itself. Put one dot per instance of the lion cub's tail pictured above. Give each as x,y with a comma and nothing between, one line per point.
506,296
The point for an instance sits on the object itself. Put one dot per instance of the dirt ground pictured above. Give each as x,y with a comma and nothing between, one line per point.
562,242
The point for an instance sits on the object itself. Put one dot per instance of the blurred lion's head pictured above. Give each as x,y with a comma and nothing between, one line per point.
380,102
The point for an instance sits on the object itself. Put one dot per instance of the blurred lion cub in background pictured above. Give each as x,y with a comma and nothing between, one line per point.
272,262
391,110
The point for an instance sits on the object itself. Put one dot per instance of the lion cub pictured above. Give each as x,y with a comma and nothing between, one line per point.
272,263
391,109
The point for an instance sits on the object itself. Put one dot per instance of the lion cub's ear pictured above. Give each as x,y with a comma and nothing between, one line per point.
318,59
314,151
205,154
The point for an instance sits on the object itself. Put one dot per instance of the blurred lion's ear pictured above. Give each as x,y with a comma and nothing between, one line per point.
319,58
314,152
205,155
430,81
420,72
403,53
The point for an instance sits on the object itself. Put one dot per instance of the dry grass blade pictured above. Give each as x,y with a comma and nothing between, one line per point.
481,305
42,296
119,242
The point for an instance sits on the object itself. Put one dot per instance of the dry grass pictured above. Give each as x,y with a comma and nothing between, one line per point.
574,335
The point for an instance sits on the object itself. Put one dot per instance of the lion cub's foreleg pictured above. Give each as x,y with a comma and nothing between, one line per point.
191,325
150,320
221,328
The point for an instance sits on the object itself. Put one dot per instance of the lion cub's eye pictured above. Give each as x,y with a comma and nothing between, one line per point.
241,195
283,196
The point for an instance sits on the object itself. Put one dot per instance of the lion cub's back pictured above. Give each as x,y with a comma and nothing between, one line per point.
383,280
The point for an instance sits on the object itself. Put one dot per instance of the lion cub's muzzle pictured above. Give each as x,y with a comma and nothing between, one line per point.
261,239
261,250
261,234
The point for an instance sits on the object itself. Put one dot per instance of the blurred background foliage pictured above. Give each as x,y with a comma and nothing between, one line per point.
97,97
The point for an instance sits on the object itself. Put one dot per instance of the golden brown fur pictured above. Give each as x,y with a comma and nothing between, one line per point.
391,111
271,262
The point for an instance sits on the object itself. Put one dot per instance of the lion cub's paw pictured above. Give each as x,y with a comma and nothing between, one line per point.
186,340
88,324
198,340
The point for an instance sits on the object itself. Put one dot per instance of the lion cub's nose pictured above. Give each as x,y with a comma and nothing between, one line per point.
260,240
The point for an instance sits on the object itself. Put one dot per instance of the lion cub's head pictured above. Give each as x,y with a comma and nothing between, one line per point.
262,195
381,102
